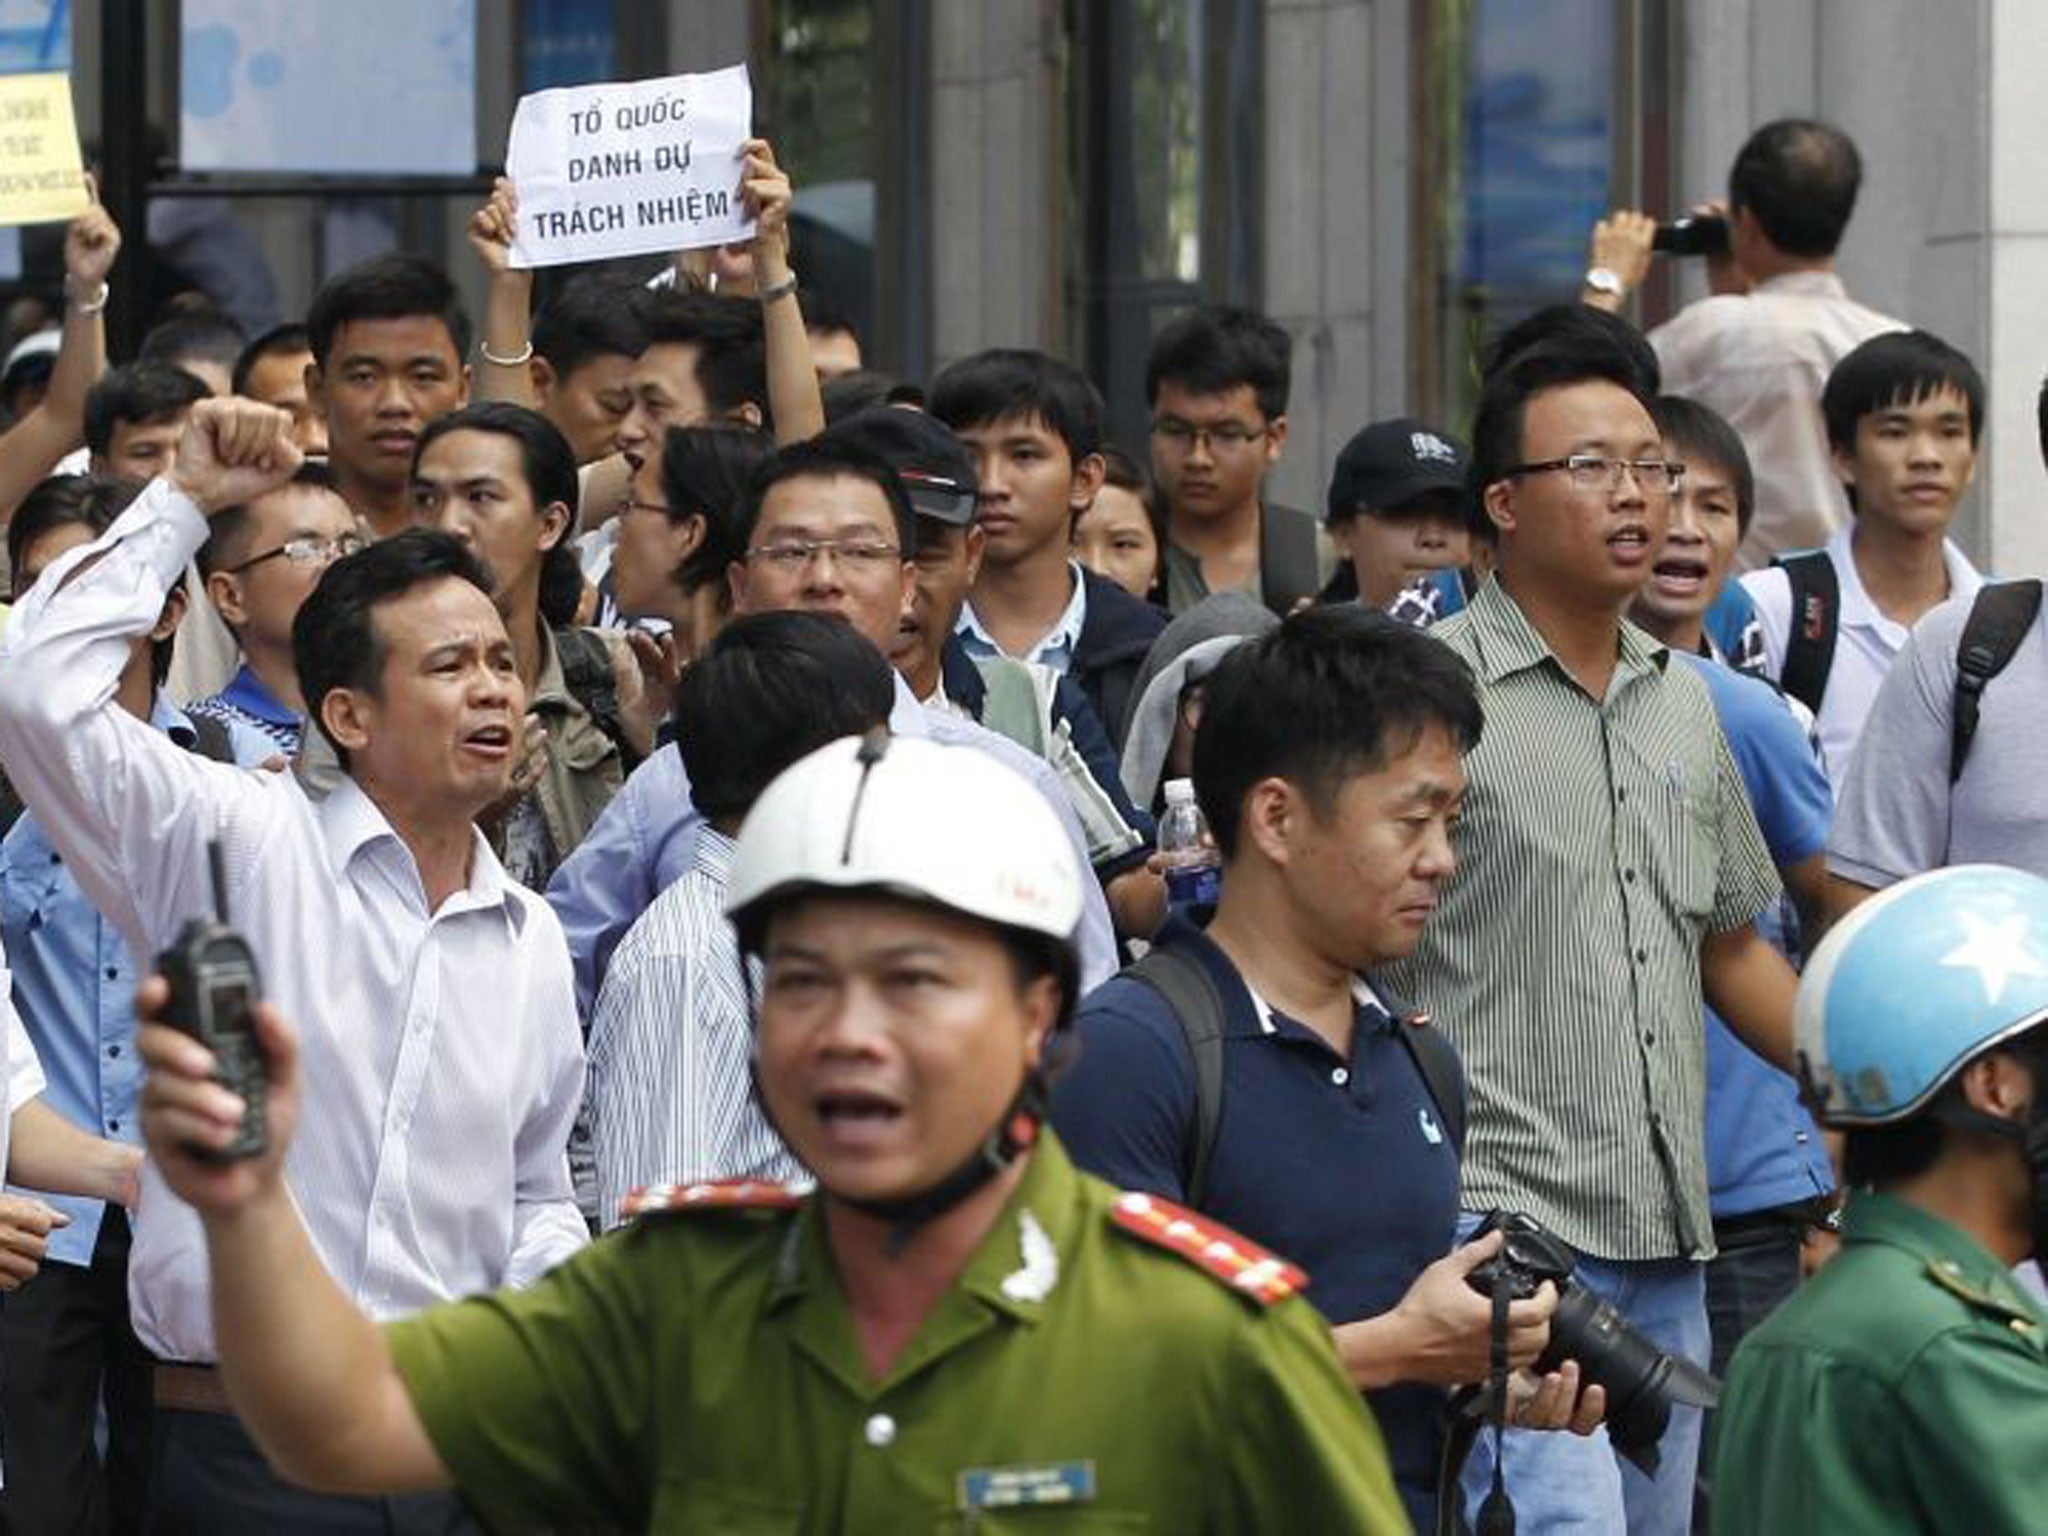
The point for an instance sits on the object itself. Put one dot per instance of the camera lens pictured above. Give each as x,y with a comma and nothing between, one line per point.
1642,1381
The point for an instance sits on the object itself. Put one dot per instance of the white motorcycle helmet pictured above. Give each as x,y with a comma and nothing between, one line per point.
945,825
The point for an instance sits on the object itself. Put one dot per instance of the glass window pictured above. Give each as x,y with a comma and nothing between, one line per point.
1135,113
1547,113
817,98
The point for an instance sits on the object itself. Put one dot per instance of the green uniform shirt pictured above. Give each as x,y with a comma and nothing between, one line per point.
701,1372
1905,1388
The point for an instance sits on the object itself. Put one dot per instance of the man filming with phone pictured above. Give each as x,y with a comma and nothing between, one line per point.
1759,347
435,993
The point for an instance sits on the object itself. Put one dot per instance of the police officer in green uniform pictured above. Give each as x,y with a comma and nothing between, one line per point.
1905,1388
957,1332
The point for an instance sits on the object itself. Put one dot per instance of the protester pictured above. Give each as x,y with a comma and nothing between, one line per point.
1396,511
1904,414
206,345
1160,743
261,562
828,529
1328,768
389,338
39,1149
1119,535
441,1021
671,1043
1610,864
679,534
1041,710
41,436
835,344
1216,381
272,369
1902,1389
1777,322
70,1353
573,361
911,906
1946,771
1770,1181
134,417
1034,427
501,479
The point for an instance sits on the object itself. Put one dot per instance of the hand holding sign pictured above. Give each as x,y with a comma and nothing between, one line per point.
491,226
625,170
90,245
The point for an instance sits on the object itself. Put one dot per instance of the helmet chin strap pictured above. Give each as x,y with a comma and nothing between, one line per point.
1011,1136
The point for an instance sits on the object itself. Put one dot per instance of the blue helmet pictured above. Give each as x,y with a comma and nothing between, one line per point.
1914,983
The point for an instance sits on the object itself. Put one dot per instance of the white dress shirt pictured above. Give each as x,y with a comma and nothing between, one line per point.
1761,359
1865,643
24,1071
439,1050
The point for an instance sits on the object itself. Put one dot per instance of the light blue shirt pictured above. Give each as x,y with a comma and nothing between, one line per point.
74,987
647,837
1763,1149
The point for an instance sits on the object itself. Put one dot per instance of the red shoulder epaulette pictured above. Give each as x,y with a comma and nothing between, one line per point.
1209,1245
712,1194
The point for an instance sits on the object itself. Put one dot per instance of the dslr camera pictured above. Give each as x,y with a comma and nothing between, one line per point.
1642,1381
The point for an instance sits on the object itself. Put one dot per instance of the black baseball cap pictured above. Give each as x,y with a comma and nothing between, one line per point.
1390,463
933,465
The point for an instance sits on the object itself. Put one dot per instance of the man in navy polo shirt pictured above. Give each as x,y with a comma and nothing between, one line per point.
1329,766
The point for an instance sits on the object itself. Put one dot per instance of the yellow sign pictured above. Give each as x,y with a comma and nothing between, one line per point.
41,177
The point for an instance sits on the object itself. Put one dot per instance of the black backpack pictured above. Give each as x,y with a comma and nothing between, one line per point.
587,674
1197,1006
2000,617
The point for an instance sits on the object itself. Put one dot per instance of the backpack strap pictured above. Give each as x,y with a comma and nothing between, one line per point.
1196,1006
587,674
1816,620
2000,617
1437,1061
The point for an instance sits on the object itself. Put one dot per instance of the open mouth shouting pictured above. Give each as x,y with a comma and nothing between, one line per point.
1679,576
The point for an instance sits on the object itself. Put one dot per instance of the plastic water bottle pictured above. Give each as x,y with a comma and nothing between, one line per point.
1194,872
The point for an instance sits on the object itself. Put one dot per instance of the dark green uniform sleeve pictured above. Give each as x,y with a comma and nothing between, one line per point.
1303,1451
537,1400
1976,1440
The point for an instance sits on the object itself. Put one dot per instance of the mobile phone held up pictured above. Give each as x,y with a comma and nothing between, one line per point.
1692,234
214,990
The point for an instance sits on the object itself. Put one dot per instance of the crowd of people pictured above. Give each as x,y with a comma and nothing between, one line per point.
735,1056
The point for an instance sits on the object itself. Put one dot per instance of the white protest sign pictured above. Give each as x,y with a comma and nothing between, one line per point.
624,170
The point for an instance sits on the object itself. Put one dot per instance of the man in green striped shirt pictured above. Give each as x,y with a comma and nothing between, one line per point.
1609,869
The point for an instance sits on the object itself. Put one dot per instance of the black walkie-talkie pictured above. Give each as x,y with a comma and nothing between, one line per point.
214,990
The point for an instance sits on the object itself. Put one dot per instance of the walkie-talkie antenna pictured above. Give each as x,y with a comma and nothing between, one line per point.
217,867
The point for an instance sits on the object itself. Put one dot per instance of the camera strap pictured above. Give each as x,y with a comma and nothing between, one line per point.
1497,1510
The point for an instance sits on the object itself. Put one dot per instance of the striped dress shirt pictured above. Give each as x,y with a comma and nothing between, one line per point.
438,1044
671,1094
1602,841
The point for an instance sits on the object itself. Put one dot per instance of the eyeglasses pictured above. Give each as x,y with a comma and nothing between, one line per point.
1224,437
856,554
1597,472
310,550
647,506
